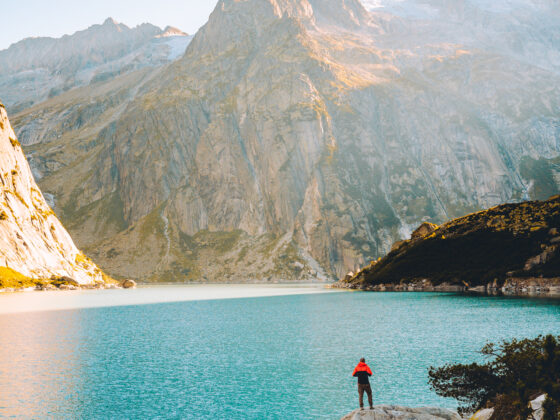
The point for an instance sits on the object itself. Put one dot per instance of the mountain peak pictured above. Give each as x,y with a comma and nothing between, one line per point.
234,20
171,31
346,13
110,21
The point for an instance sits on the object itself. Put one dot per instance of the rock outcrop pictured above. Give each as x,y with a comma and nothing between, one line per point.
536,405
293,140
509,248
424,229
33,242
484,414
394,412
128,284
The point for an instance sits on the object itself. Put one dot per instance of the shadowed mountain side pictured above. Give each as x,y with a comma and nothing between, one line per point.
507,244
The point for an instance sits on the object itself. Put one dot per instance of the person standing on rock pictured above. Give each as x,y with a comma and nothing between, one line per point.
363,372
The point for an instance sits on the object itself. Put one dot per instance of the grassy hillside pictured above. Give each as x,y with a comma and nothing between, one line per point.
519,240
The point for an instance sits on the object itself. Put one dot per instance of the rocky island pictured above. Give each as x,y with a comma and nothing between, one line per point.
510,249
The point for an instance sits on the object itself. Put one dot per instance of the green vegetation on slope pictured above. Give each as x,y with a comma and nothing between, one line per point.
476,249
13,279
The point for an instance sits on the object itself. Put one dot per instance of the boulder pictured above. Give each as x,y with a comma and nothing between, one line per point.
424,229
393,412
537,407
484,414
477,289
128,284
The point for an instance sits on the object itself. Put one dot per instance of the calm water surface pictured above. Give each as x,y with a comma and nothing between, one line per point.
267,357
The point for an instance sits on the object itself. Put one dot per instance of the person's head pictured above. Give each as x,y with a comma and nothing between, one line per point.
362,360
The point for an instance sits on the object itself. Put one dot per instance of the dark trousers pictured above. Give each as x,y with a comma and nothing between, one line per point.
367,389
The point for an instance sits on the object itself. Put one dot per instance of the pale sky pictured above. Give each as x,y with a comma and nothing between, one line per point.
54,18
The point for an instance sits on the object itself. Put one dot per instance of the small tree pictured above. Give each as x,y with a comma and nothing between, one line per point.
518,370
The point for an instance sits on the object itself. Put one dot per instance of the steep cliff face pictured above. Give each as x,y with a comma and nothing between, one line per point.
35,69
33,242
292,140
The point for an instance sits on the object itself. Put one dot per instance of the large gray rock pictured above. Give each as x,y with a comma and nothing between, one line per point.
537,407
484,414
394,412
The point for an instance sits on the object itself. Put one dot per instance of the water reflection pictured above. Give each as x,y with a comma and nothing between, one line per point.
39,371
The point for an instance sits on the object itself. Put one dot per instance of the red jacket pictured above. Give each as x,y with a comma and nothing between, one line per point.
362,371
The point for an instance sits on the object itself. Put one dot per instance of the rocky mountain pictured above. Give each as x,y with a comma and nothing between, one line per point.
292,140
526,30
33,242
35,69
510,245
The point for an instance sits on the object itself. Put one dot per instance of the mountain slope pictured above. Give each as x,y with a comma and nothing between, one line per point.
294,139
35,69
511,241
33,242
525,30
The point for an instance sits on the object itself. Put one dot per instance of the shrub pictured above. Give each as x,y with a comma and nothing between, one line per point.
518,371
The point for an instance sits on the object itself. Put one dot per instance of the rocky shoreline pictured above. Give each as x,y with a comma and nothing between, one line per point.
396,412
531,286
70,284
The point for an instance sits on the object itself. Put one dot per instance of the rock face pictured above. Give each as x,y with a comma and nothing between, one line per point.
35,69
509,248
33,242
292,140
392,412
424,229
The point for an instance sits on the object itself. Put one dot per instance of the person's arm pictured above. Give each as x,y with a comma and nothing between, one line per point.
368,371
355,373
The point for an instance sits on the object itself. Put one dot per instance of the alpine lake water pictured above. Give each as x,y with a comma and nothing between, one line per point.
281,357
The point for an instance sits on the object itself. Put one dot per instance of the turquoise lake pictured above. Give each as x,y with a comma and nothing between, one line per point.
282,357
